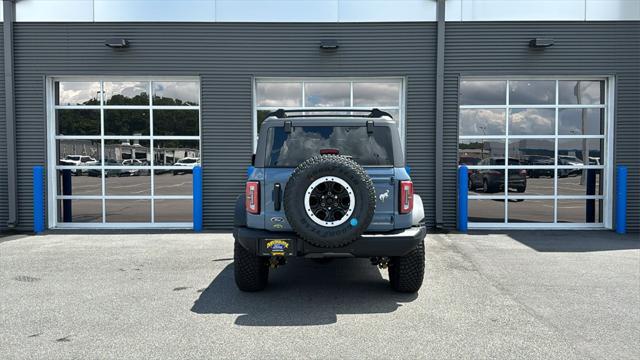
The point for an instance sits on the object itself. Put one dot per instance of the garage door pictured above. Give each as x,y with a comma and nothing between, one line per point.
537,150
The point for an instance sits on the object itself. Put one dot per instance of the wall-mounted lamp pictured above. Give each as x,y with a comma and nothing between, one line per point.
330,44
117,43
541,43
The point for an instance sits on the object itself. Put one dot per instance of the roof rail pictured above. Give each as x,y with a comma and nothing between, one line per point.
373,113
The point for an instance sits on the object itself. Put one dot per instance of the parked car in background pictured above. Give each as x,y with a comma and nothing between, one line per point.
492,180
538,160
187,164
107,172
134,172
78,160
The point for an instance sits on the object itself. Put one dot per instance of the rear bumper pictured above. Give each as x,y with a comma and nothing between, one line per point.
397,243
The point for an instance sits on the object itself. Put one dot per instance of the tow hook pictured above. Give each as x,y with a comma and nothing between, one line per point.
381,262
276,261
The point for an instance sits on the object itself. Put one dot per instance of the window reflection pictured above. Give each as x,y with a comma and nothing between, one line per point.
580,211
530,211
585,182
126,122
532,92
278,94
571,152
78,122
176,122
532,122
482,122
173,211
472,152
70,183
486,181
129,182
126,93
77,93
376,94
166,182
486,211
176,93
79,211
128,211
326,94
581,92
481,92
531,181
581,122
177,152
127,152
79,152
522,149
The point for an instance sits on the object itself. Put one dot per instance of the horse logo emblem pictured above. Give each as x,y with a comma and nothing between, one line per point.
384,196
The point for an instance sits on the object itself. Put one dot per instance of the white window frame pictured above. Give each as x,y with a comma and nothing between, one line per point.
608,148
401,108
52,156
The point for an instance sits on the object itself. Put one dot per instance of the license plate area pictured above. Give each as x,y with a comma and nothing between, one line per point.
278,247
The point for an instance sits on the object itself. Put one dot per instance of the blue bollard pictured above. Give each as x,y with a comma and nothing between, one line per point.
621,200
197,199
38,199
463,197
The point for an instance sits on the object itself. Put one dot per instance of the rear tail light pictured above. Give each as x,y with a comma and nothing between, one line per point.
252,194
406,197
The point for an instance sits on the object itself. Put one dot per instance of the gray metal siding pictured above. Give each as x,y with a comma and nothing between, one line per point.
226,57
594,48
4,209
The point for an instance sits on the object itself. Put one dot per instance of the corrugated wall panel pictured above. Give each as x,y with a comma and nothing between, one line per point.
4,209
498,49
226,56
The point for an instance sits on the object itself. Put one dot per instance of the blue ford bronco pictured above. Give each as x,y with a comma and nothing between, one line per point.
326,186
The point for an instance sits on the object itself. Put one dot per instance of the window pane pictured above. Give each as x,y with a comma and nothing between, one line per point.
79,211
126,93
482,122
486,211
532,92
176,122
532,122
69,183
581,92
580,182
126,122
127,152
78,122
529,181
128,211
580,211
473,92
78,152
472,152
570,152
376,94
522,149
129,182
530,211
77,93
177,152
486,181
168,182
174,210
326,94
581,122
278,94
174,93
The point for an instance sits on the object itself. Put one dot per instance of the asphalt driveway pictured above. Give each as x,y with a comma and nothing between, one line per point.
564,295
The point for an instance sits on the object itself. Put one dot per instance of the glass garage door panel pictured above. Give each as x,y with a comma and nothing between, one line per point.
535,150
125,151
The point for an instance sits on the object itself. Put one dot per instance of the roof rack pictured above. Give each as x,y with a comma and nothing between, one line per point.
373,113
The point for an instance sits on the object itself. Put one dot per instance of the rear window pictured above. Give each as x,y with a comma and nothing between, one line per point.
304,142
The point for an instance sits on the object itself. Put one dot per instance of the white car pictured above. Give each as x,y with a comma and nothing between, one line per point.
134,172
78,160
188,163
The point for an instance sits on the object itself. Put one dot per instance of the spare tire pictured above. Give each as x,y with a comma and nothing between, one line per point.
329,200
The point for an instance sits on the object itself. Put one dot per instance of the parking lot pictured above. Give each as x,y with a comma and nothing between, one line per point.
563,295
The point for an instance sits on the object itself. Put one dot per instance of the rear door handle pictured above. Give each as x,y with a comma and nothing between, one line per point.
277,195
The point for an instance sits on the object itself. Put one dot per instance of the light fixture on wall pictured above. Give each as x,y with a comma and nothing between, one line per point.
330,44
117,43
541,43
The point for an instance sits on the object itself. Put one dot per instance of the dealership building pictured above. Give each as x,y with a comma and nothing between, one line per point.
117,100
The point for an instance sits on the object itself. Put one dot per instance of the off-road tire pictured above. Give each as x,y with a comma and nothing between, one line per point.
251,271
315,168
406,273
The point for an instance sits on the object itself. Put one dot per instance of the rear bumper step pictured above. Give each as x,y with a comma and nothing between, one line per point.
397,243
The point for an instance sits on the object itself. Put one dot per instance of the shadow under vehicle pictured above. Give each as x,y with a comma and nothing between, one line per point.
492,180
